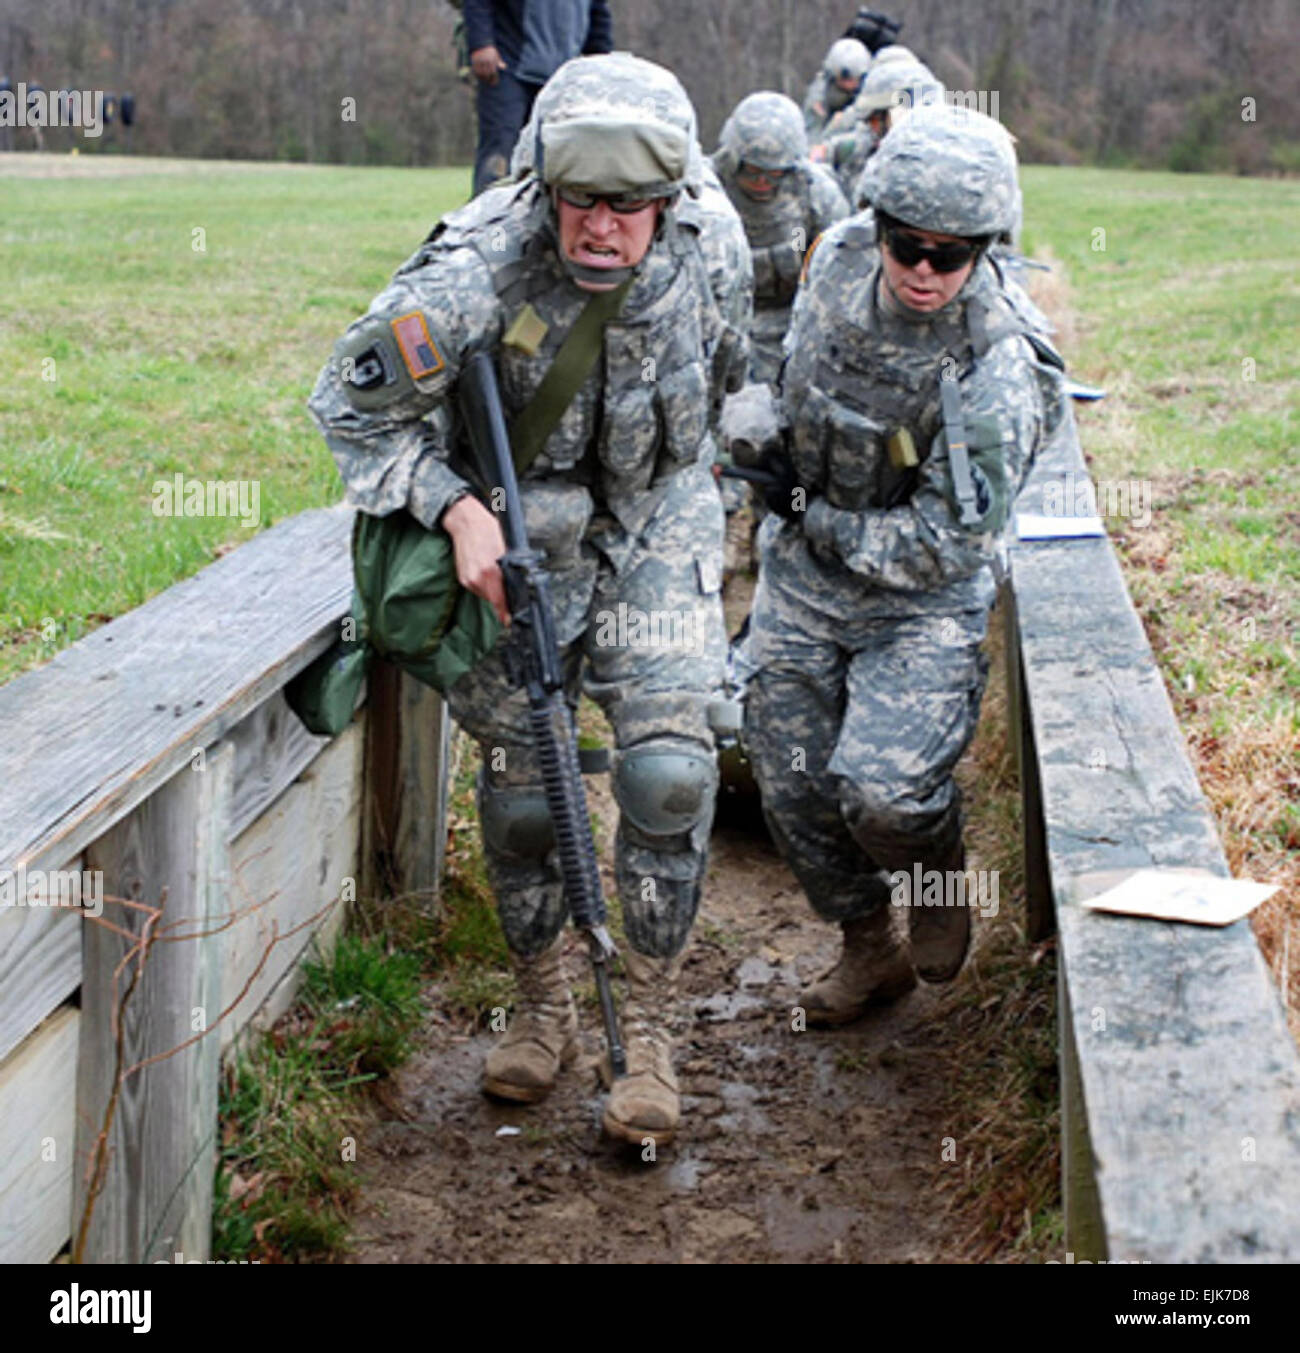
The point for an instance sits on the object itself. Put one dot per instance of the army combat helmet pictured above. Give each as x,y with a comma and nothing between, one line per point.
613,124
895,84
946,169
847,59
766,130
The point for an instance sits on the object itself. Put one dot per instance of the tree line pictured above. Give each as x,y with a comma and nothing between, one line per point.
1181,84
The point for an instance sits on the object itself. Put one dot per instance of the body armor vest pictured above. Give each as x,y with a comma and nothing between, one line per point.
870,383
643,412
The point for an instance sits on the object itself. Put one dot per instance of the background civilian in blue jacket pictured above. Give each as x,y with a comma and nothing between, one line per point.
515,46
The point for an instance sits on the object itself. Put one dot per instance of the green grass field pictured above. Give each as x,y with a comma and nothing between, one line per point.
131,356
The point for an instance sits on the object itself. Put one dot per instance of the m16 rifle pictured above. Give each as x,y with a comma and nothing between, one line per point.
532,658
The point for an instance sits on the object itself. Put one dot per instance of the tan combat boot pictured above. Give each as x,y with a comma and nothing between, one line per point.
874,967
543,1034
644,1103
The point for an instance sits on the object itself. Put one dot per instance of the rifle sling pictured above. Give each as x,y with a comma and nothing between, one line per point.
568,370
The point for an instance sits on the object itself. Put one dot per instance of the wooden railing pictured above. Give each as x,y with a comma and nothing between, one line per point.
1180,1083
158,754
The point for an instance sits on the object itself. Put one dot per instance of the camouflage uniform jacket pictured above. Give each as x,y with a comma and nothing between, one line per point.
879,539
780,229
644,411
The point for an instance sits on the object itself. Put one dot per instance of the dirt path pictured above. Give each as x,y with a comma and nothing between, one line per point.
808,1146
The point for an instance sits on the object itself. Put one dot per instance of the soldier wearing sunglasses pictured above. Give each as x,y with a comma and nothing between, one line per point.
613,292
915,398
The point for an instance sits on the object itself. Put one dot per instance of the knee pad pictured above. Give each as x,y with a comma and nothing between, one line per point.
516,821
666,787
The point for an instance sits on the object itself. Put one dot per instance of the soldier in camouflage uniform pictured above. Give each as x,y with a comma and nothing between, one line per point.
835,84
784,200
856,135
620,499
915,399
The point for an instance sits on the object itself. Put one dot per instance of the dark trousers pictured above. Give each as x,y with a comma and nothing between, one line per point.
503,109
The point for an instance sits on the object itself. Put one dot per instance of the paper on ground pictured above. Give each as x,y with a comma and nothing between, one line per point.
1035,526
1172,895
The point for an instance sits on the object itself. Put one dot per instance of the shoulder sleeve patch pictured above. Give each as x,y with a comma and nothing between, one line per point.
418,351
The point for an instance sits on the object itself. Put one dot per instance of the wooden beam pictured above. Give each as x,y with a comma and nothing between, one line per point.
1188,1082
178,672
294,859
157,1198
406,747
38,1086
272,748
40,965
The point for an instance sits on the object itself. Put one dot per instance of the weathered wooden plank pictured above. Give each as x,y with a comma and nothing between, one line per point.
1187,1077
157,1198
295,857
1085,1230
272,748
402,833
40,965
38,1087
177,672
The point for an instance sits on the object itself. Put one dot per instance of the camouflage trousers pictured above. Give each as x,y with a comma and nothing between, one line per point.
765,339
652,655
854,728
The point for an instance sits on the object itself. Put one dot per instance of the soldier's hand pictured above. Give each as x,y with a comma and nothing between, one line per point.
485,62
476,537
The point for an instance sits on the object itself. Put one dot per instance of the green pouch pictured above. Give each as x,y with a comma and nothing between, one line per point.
413,610
324,694
409,609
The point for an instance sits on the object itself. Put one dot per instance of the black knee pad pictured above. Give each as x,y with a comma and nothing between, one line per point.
515,821
667,786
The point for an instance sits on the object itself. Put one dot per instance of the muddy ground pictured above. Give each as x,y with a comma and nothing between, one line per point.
816,1146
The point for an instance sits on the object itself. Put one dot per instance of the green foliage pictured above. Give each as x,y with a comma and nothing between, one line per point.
283,1183
1200,148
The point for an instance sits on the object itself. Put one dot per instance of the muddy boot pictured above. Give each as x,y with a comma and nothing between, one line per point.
543,1034
874,967
940,936
644,1103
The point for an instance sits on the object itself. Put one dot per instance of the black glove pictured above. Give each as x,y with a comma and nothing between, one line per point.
784,491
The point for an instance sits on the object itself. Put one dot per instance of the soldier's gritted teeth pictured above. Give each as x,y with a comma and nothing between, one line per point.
601,238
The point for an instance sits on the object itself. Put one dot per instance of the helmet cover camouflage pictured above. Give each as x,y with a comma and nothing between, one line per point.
898,84
614,123
946,169
765,130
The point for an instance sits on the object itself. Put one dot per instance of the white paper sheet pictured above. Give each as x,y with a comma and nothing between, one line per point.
1035,526
1176,895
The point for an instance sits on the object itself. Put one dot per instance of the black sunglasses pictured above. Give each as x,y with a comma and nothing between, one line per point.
909,251
618,202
